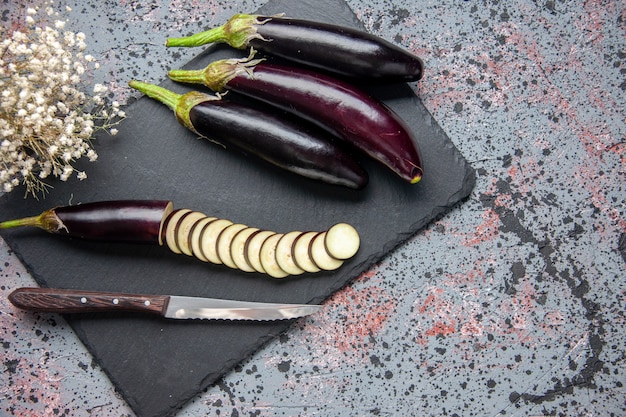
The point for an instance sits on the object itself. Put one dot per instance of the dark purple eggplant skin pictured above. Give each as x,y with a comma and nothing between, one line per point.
280,140
132,221
343,51
338,50
335,105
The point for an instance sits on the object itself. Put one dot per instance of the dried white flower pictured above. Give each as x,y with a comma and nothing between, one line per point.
46,121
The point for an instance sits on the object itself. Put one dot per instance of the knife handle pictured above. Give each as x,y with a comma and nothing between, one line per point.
76,301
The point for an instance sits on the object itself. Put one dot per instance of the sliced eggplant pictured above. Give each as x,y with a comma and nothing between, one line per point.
268,257
284,254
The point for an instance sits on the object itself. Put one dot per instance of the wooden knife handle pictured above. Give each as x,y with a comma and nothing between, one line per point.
77,301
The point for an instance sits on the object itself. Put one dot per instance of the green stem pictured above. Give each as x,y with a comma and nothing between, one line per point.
188,76
237,32
215,35
180,104
163,95
26,221
217,74
47,221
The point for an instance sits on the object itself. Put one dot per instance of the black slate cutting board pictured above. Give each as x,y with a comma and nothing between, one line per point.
158,365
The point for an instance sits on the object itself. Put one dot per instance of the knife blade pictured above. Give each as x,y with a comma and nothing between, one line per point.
170,306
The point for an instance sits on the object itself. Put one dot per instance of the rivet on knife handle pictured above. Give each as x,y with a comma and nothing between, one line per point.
209,239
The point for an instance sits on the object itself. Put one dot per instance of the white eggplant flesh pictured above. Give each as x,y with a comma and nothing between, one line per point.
268,257
302,254
238,249
194,237
224,243
320,255
250,249
253,249
209,239
342,241
284,254
183,233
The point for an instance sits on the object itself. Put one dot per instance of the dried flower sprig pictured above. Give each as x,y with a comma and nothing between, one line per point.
47,122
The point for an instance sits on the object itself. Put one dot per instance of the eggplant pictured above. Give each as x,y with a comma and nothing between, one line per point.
131,221
335,49
341,108
286,142
209,239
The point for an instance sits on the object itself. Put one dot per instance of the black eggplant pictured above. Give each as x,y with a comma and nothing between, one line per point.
138,221
333,104
289,143
336,49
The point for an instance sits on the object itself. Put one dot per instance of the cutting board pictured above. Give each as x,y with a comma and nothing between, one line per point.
156,364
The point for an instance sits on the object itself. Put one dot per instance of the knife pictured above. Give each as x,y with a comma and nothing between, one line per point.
169,306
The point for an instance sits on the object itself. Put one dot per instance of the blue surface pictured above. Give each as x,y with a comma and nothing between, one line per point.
512,304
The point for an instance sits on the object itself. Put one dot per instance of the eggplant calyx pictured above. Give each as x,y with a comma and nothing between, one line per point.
48,221
180,104
242,28
186,103
237,32
217,74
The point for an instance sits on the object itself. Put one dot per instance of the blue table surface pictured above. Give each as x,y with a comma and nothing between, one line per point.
512,304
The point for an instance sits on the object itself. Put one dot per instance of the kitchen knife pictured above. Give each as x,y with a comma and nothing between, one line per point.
170,306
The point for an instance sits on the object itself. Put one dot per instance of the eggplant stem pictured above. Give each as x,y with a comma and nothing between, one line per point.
236,32
188,76
215,35
218,74
181,104
26,221
48,221
165,96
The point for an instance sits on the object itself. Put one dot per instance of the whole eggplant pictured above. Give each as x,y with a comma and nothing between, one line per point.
333,104
335,49
288,143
